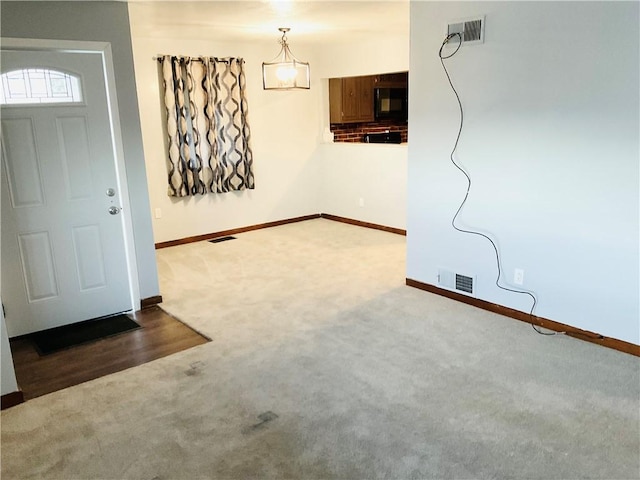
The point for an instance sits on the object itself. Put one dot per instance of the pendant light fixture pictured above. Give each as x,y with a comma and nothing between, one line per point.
285,72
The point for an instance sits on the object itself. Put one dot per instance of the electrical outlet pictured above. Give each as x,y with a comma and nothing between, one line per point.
361,202
518,276
158,213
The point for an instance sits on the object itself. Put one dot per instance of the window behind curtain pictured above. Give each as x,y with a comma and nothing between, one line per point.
207,131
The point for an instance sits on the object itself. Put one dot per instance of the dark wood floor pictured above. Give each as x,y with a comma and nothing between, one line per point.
160,335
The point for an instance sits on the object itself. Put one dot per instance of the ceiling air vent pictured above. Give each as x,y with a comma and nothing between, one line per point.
456,281
472,30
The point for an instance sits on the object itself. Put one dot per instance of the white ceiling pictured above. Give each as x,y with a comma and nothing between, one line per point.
311,21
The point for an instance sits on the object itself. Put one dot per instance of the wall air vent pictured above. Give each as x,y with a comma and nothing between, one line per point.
464,283
456,281
472,31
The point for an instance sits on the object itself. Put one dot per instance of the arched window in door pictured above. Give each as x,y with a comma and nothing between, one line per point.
38,85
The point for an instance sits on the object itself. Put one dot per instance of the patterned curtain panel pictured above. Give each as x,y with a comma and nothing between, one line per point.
207,130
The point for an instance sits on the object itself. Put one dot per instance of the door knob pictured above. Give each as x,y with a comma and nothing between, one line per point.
113,210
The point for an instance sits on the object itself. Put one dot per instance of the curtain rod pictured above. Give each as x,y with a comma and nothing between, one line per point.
159,57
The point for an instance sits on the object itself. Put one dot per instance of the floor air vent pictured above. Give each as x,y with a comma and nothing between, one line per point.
456,281
221,239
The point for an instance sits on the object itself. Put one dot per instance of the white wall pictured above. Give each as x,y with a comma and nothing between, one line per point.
350,172
380,54
551,140
377,174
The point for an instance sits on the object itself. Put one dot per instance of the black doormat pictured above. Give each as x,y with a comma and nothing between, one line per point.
67,336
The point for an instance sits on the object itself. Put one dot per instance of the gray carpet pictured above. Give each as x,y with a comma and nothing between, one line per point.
324,365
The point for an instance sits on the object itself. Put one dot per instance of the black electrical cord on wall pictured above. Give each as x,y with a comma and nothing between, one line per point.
533,297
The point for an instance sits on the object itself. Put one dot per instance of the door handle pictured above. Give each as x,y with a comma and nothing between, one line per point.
113,210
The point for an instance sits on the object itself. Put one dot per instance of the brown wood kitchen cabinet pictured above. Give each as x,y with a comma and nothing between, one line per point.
351,99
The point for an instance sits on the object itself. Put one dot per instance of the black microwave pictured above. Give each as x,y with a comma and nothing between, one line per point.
391,103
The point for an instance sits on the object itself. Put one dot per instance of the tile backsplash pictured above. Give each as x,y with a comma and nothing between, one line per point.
353,132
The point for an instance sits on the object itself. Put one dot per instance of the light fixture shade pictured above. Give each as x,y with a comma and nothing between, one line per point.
285,72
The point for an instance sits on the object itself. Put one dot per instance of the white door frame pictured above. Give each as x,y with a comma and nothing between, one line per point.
104,50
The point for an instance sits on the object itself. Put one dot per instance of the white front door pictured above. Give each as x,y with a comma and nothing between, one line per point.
63,251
